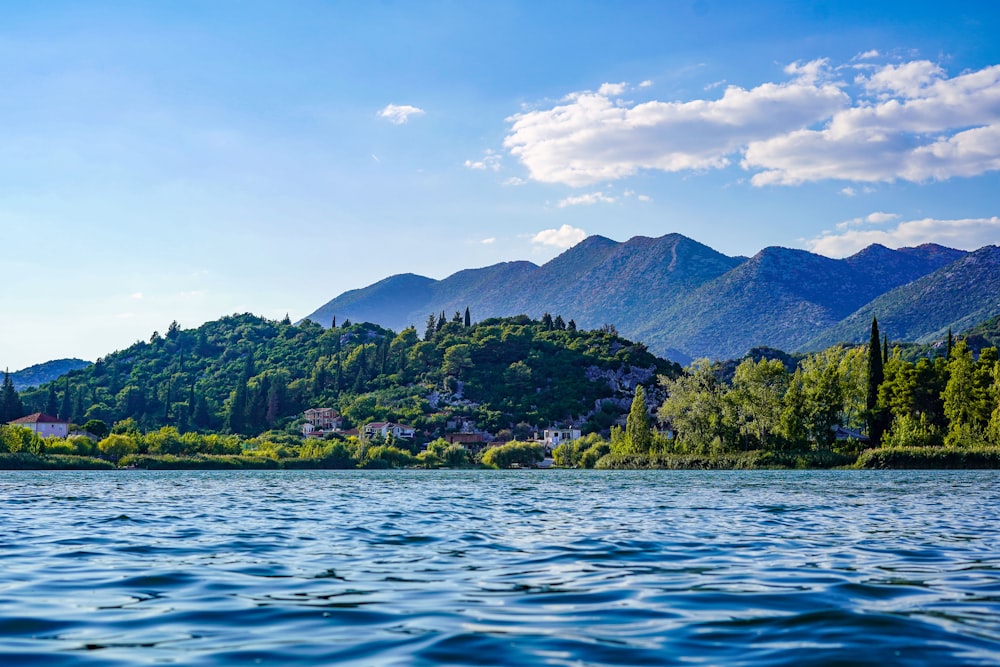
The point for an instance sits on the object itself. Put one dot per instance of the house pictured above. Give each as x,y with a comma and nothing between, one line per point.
385,429
44,425
320,421
474,442
553,437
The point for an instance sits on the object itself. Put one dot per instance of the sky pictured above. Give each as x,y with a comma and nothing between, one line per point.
182,160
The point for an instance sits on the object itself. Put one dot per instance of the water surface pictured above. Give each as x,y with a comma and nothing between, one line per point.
500,568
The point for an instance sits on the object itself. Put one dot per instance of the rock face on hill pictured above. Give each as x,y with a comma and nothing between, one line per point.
686,300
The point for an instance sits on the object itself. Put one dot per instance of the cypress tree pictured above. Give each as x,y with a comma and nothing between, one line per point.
638,431
951,344
10,402
431,327
66,407
885,349
51,405
468,317
876,375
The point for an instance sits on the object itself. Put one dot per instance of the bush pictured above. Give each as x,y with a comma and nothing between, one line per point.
930,458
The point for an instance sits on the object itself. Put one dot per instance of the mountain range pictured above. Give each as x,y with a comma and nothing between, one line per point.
685,300
39,374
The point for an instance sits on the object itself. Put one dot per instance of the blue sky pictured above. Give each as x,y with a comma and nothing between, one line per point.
187,160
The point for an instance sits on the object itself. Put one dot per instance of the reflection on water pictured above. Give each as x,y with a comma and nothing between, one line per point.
500,568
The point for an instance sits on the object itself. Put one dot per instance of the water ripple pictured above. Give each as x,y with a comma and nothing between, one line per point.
497,568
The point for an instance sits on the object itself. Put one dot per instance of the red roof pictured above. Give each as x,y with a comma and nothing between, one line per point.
38,418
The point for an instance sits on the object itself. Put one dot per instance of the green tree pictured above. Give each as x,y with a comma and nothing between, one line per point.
638,436
513,453
963,399
66,407
756,401
694,409
823,396
11,407
431,327
457,359
96,427
876,376
468,318
115,446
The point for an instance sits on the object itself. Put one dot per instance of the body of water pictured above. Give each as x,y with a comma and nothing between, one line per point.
500,568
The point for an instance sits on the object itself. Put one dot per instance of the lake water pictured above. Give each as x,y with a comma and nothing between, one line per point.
500,568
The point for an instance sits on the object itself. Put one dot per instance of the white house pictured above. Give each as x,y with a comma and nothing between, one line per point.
44,425
320,421
553,437
385,429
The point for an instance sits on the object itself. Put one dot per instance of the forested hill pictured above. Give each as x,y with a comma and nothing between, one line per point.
245,374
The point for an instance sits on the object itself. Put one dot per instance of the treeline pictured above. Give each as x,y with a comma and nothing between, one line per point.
824,411
126,446
246,375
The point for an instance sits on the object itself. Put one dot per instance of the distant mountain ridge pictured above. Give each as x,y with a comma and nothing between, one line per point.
39,374
685,300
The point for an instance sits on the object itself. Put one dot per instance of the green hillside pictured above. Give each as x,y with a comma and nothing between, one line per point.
245,374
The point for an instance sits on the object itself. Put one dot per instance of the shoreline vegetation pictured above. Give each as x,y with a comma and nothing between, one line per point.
233,395
890,458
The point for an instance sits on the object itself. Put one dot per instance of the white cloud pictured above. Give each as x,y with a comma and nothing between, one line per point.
923,127
879,218
646,84
137,295
645,198
967,234
904,121
908,80
586,200
491,161
612,89
489,241
515,181
867,55
398,114
848,191
564,237
589,138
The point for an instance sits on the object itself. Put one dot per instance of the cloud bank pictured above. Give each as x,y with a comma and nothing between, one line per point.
860,122
850,237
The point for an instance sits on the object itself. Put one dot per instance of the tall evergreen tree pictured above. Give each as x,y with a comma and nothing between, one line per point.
638,430
236,418
876,376
10,401
66,407
951,345
431,327
51,404
468,317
